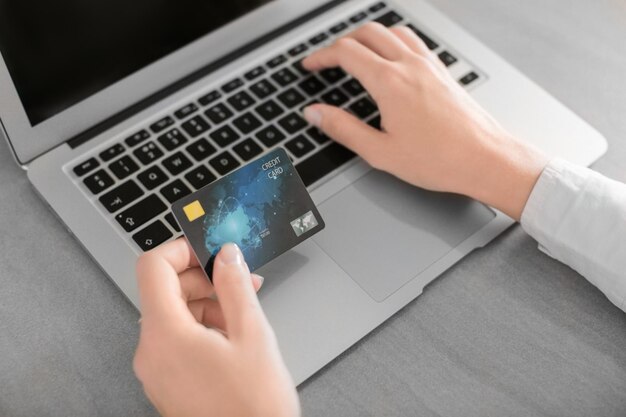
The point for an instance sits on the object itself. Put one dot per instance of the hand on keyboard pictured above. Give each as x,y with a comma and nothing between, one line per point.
434,134
187,369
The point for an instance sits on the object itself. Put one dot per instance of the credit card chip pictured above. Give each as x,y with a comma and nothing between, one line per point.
193,211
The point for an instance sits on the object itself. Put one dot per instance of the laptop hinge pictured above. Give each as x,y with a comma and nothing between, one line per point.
128,112
4,134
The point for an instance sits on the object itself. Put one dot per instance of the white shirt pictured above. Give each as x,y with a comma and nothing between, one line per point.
579,218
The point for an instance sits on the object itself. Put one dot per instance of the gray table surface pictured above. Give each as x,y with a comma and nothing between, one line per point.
507,332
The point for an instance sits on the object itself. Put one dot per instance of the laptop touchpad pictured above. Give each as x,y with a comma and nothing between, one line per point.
384,232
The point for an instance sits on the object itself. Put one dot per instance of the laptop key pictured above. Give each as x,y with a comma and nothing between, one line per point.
338,28
254,73
86,167
269,110
389,19
224,163
231,86
312,85
172,139
291,98
241,101
98,181
224,136
195,126
335,97
317,135
201,149
284,77
148,153
270,136
319,38
358,17
219,113
152,177
162,124
275,62
431,44
376,123
263,89
332,75
300,68
152,236
299,146
447,58
172,221
199,177
209,98
377,7
112,152
123,167
292,123
175,190
247,149
469,78
353,87
137,138
186,111
298,49
177,163
121,196
363,108
247,123
324,162
141,213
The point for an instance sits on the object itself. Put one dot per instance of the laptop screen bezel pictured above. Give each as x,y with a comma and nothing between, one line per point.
28,142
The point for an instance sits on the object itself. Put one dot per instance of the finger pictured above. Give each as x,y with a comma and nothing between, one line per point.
380,40
354,57
208,312
160,292
346,129
418,46
195,285
235,292
257,281
410,39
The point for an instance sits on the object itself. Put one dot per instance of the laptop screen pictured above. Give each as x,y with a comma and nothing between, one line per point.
61,52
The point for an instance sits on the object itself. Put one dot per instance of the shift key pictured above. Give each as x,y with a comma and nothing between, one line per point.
141,213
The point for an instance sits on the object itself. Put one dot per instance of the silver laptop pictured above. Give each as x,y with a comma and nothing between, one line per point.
117,109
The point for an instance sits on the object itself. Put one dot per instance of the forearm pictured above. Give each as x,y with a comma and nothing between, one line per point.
579,218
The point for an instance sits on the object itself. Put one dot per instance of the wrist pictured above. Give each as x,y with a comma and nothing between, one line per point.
507,174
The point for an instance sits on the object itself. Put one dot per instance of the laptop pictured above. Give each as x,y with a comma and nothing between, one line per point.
117,109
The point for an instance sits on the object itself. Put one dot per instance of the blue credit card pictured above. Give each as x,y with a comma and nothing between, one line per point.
263,207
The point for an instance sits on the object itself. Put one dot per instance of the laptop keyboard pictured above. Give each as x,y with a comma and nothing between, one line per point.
136,180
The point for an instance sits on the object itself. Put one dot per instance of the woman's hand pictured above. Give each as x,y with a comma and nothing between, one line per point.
435,135
233,368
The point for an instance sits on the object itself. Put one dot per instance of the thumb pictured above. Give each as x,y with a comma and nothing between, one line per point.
346,129
235,291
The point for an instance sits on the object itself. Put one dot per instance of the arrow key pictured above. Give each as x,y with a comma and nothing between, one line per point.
152,236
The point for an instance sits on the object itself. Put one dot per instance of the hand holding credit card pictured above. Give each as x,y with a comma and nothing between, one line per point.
263,207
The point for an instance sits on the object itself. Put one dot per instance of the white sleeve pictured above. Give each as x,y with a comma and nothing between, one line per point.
579,218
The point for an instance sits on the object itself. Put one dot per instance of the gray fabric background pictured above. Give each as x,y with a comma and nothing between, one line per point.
507,332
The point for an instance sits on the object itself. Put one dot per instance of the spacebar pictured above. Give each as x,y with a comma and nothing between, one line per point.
323,163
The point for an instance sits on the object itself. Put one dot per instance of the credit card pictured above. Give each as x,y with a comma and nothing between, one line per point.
263,207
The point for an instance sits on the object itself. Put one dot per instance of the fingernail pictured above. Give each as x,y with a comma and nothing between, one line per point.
230,254
261,280
313,116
